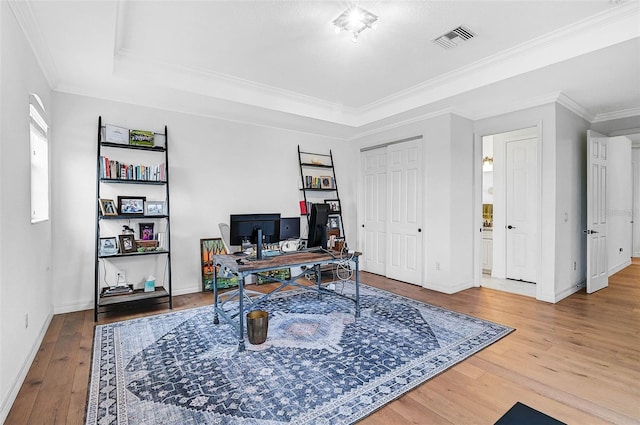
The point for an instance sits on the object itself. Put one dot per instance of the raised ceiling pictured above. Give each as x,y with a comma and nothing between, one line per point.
280,62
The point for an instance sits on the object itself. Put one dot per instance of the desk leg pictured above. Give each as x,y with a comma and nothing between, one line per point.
357,286
215,295
241,311
318,279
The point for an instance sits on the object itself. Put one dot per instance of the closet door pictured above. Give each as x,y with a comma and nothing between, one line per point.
373,212
391,211
404,223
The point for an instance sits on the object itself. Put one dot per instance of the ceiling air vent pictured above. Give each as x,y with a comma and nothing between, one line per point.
454,37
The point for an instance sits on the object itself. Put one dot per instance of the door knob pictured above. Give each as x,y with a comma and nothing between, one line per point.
589,232
363,225
511,227
419,230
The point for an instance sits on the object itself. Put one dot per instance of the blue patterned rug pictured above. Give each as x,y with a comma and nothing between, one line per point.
319,365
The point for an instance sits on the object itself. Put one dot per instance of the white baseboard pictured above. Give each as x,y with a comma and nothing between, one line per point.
615,269
569,291
448,289
7,403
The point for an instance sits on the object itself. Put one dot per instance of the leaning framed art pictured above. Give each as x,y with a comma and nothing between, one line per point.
208,248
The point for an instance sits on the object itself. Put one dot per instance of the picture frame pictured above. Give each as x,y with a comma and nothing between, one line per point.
108,246
131,205
152,208
141,138
334,205
208,248
127,243
146,231
108,207
326,182
117,135
334,222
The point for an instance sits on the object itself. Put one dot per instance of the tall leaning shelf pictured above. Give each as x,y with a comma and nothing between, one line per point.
138,297
312,167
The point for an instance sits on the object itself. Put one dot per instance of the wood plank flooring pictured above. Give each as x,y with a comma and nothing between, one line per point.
577,360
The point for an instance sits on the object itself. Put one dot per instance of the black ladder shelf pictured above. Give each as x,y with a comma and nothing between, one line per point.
313,167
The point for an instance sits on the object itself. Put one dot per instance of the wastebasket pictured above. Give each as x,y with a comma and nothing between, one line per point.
257,326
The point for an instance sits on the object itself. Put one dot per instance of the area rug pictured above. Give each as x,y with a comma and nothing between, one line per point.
318,365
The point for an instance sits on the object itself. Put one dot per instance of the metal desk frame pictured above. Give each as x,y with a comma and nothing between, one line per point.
249,267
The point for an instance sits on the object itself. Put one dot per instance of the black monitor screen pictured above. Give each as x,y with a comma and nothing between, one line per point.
289,228
317,225
244,227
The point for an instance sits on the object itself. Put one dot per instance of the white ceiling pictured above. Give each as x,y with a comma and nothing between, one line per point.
280,62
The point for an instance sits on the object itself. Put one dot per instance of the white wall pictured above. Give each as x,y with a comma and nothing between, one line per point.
448,197
543,116
636,202
216,168
571,199
25,248
619,188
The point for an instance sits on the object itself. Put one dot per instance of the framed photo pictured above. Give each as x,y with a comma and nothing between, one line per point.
108,207
154,208
334,205
141,138
326,182
108,246
131,205
334,222
117,135
208,248
146,231
127,243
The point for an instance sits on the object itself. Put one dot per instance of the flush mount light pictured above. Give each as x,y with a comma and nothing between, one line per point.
355,20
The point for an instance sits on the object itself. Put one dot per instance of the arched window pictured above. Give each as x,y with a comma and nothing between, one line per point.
39,144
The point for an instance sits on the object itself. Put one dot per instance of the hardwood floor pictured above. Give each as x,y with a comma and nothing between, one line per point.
577,360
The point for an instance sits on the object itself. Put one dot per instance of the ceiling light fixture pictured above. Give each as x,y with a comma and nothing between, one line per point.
355,20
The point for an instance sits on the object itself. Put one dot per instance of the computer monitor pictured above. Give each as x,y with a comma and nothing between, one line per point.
244,227
289,228
318,226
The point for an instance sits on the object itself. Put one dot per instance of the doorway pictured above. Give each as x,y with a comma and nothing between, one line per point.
510,214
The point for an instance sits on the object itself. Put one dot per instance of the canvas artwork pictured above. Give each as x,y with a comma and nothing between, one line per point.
208,248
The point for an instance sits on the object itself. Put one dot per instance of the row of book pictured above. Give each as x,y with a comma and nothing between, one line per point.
319,182
110,169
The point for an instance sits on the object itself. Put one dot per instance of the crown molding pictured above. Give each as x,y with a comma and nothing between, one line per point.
633,112
575,107
31,29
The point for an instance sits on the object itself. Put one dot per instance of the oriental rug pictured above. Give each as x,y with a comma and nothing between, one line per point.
318,365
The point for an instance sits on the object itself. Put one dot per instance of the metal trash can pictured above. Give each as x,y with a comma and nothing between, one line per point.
257,326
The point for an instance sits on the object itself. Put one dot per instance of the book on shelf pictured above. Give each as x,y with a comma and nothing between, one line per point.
319,182
111,169
117,290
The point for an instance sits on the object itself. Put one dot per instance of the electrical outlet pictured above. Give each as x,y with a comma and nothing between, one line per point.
437,265
574,265
26,320
121,277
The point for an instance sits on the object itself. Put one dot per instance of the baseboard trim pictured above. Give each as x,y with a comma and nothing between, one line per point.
569,291
447,289
619,267
12,394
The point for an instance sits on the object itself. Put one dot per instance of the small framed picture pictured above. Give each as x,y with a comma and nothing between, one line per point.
131,205
334,222
118,135
154,208
127,243
108,207
146,231
108,246
326,182
334,205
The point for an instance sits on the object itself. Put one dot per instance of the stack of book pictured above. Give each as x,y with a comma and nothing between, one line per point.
117,290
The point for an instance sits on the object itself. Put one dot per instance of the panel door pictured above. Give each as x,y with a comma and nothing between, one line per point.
521,210
404,232
374,212
597,255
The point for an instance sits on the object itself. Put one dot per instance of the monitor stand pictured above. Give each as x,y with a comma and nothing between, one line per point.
259,245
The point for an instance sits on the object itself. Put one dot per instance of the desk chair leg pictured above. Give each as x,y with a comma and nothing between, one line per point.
215,296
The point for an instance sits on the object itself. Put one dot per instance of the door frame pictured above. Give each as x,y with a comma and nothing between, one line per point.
477,217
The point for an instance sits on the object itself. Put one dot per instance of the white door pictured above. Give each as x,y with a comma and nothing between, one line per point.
597,255
374,211
521,209
404,232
